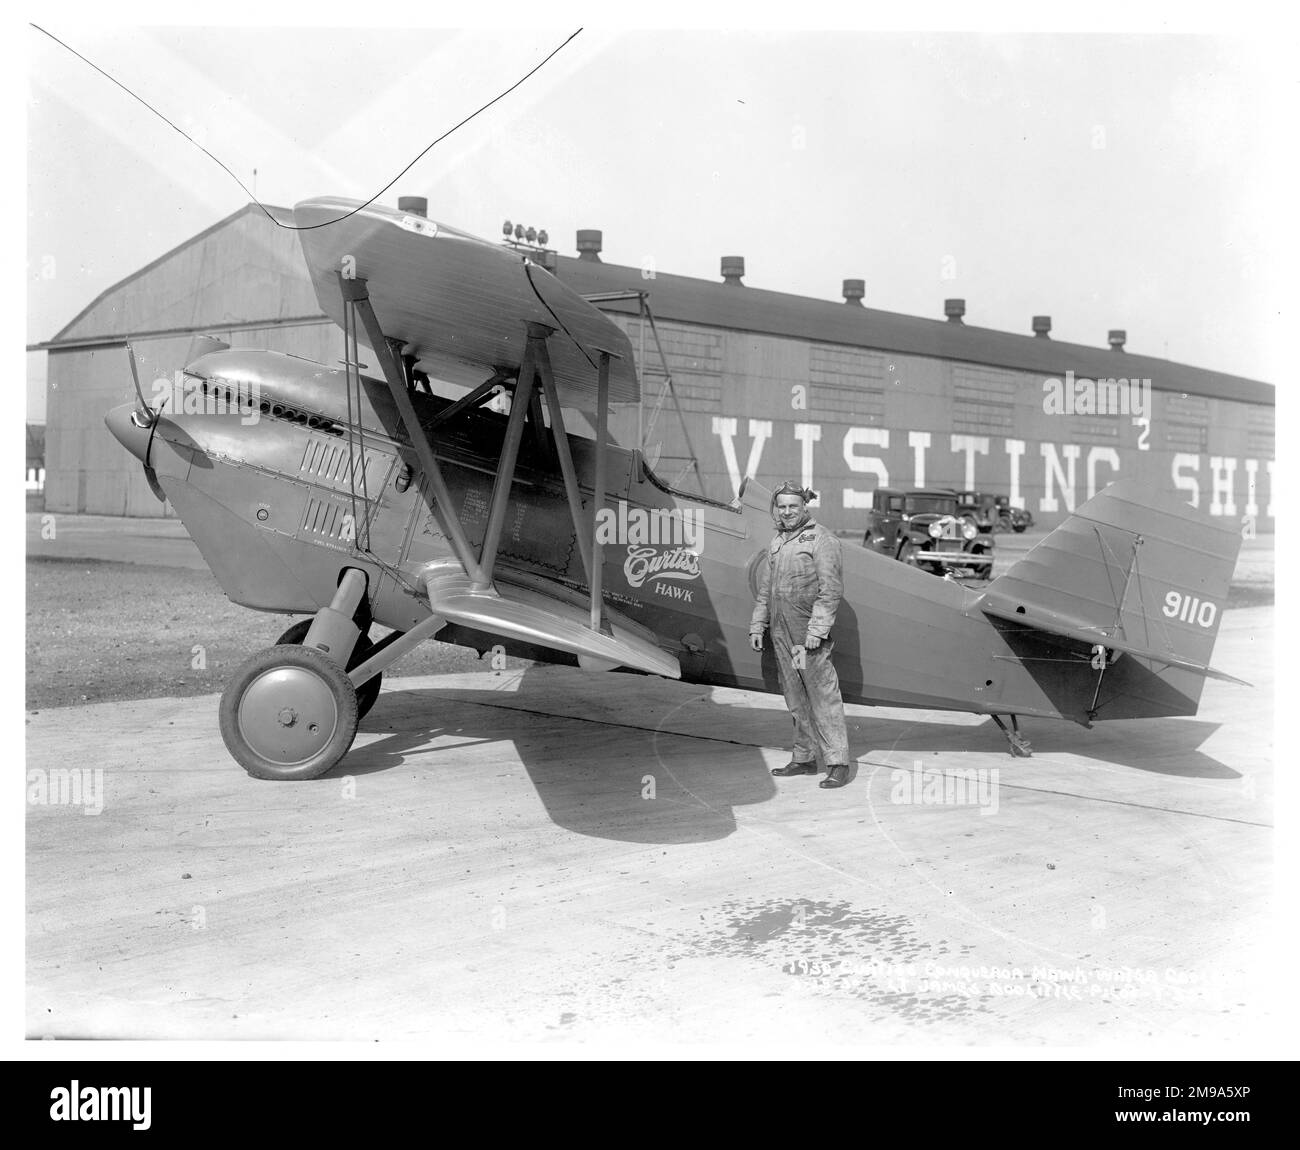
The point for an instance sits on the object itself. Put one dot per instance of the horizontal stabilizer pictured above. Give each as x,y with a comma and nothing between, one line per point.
547,615
1016,611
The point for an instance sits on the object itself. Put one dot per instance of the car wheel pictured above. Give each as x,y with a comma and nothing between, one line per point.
907,554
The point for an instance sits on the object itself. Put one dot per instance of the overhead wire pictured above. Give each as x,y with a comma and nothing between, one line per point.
324,223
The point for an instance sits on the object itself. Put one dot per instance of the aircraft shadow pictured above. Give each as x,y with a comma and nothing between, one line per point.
1158,746
607,780
620,773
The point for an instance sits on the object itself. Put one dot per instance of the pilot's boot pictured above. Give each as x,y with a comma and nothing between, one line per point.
796,768
836,776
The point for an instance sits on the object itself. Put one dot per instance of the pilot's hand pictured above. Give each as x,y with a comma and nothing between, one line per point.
756,642
812,642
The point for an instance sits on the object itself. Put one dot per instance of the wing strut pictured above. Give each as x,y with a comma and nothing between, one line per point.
534,370
355,294
539,359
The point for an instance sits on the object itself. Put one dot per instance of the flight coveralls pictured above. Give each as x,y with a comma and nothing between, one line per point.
799,589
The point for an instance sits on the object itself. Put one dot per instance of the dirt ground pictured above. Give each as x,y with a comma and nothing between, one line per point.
100,631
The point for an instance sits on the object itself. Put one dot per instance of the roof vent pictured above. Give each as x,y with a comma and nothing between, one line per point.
1043,326
1117,338
733,267
954,309
413,205
589,244
854,290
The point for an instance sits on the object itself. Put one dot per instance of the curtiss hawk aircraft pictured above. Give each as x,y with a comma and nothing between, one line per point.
366,499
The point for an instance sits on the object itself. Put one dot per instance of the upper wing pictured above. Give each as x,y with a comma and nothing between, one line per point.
462,303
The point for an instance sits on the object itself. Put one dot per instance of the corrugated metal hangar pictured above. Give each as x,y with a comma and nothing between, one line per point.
844,397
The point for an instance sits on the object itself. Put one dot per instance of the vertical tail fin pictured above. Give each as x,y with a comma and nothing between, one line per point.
1136,573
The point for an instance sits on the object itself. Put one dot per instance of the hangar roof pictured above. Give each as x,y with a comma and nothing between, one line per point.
743,308
250,272
689,300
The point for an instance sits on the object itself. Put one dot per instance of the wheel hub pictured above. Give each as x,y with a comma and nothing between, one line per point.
287,715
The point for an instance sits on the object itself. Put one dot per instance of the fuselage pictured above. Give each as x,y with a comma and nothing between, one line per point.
281,486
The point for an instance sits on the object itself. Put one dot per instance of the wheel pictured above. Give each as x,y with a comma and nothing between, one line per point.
907,554
368,692
1019,528
289,713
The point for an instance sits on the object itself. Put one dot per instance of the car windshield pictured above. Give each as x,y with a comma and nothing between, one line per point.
929,505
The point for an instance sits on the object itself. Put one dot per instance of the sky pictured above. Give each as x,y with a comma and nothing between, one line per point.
1111,181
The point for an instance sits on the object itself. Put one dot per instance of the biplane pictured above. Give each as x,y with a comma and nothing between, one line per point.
445,495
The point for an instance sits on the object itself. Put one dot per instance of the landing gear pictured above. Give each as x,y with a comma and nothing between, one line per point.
368,692
289,713
1019,744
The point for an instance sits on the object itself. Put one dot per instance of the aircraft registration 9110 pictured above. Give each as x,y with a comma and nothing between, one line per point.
363,500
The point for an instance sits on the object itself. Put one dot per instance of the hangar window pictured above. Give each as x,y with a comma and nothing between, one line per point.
984,383
984,400
1096,429
983,417
1260,436
846,384
1187,408
1187,436
694,357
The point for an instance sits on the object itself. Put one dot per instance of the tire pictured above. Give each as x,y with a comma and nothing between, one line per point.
907,554
368,692
1019,528
289,713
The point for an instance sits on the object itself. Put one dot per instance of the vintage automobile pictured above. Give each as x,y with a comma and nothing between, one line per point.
1018,517
925,529
993,512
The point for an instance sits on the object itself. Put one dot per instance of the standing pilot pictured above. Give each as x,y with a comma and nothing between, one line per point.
799,590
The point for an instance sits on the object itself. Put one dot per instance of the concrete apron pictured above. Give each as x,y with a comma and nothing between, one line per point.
555,855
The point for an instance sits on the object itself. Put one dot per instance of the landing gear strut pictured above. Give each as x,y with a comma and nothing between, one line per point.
1019,744
368,692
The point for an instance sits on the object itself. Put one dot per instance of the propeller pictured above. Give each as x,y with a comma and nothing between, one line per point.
143,417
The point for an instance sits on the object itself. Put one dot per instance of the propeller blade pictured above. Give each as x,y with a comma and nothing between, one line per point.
139,391
151,476
135,375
